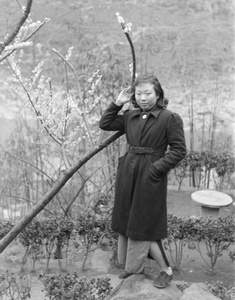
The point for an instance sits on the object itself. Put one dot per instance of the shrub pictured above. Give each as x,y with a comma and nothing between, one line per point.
202,163
65,228
14,287
71,286
50,232
225,167
42,236
176,239
219,289
5,227
92,228
32,240
180,172
216,233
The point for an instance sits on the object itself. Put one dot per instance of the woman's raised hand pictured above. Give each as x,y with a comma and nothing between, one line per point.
124,96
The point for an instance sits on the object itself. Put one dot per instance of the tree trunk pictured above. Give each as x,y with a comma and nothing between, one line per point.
54,190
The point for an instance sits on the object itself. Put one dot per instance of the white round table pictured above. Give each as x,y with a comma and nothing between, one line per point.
211,201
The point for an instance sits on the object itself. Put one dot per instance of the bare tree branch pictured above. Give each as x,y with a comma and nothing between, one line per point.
79,93
35,31
37,112
23,199
82,186
22,45
50,181
54,190
9,52
28,163
11,37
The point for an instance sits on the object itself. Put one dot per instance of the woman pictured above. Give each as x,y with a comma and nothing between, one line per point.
140,211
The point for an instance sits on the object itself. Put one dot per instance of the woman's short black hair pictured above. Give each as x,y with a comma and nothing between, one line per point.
156,85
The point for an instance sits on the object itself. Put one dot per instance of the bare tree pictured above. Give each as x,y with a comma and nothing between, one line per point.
54,190
71,170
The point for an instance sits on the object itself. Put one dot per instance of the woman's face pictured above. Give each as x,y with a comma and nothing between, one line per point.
145,96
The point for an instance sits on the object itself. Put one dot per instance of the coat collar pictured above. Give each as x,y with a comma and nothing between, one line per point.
155,112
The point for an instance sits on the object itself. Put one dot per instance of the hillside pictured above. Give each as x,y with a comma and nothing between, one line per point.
189,45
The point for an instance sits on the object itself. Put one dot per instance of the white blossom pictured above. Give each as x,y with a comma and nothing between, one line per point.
68,55
127,28
120,18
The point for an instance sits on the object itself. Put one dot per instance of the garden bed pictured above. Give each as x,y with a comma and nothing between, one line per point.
192,268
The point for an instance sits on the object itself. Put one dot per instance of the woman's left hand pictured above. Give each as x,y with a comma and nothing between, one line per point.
154,173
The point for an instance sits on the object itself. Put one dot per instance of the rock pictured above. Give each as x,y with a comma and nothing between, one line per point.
140,286
197,291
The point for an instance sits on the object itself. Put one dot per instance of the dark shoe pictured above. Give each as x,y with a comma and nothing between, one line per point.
162,280
124,275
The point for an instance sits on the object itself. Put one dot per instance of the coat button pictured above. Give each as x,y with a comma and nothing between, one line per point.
144,116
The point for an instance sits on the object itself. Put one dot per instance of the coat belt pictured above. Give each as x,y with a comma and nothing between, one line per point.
145,150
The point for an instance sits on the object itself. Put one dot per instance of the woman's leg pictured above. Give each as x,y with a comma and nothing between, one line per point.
122,249
137,252
158,254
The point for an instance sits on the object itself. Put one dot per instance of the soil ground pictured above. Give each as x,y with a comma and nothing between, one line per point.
192,268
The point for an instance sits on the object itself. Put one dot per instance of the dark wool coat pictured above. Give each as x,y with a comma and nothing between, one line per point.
140,210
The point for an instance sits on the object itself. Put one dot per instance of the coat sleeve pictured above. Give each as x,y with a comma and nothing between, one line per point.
176,140
110,120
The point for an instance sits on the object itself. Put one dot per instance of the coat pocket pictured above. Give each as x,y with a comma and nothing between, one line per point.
154,173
